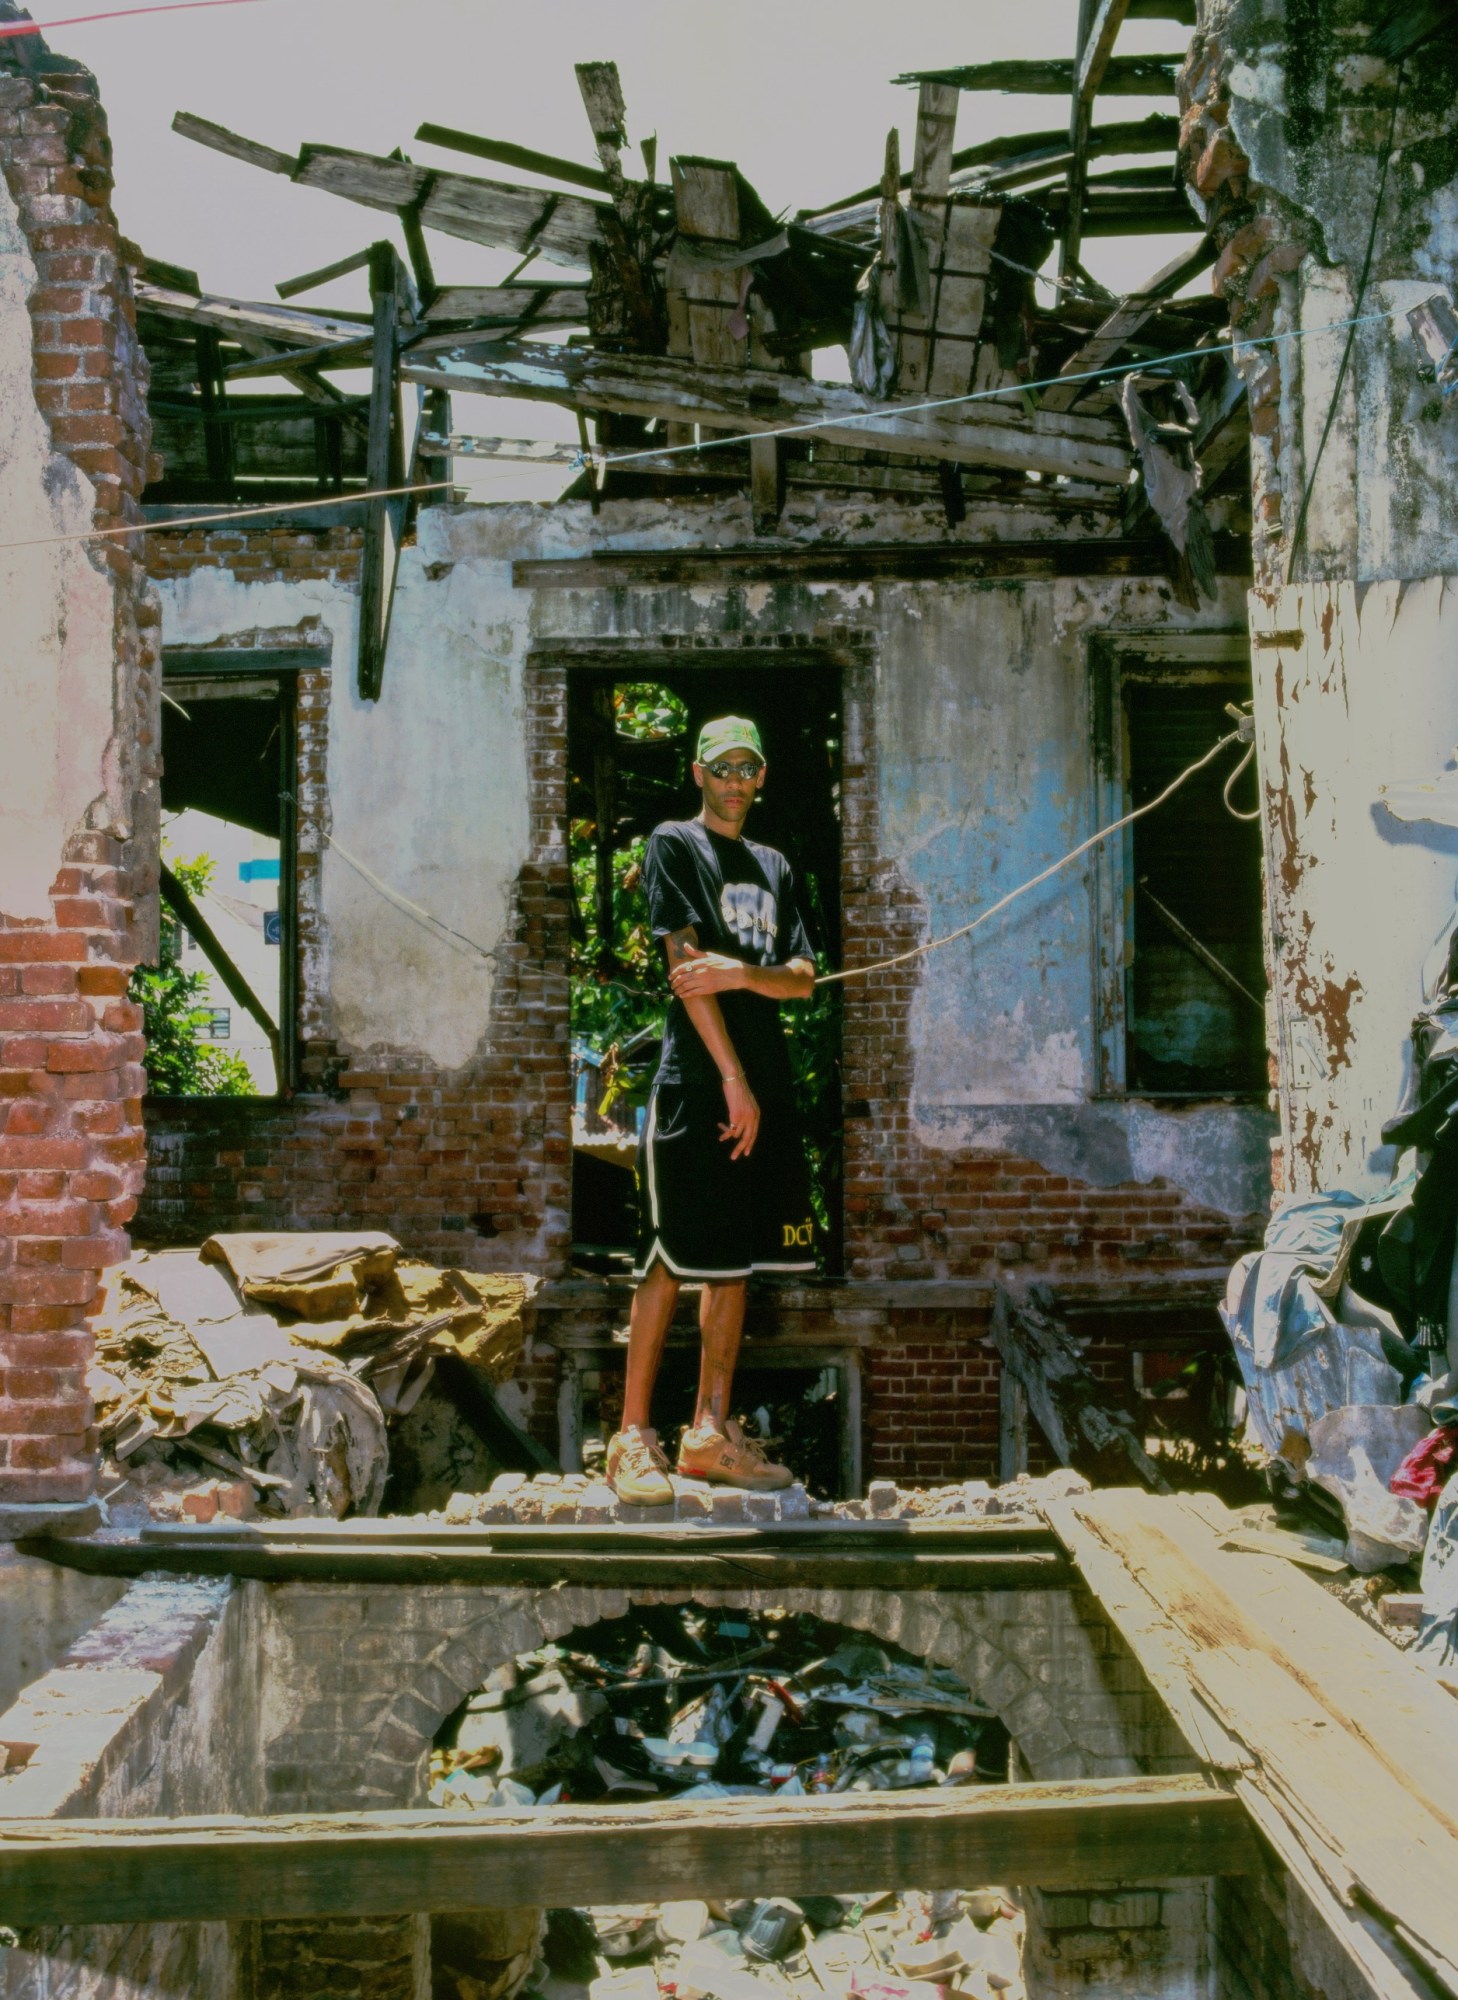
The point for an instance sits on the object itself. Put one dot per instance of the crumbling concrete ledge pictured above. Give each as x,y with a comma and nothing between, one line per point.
565,1497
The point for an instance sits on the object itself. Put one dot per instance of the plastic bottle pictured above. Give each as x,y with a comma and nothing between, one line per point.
922,1762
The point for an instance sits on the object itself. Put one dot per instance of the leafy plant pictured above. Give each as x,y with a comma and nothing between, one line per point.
174,1006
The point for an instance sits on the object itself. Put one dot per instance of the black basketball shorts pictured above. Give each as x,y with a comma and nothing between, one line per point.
704,1215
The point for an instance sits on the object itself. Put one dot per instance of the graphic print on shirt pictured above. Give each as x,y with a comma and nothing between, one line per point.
751,917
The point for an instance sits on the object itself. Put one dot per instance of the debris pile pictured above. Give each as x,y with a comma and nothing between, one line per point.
681,1701
1345,1328
689,1703
565,1497
278,1361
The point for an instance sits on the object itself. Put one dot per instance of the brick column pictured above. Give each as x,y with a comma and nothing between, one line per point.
78,805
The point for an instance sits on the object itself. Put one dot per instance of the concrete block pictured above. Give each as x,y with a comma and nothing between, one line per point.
882,1499
560,1506
795,1503
508,1482
762,1506
526,1504
728,1504
460,1509
695,1503
596,1502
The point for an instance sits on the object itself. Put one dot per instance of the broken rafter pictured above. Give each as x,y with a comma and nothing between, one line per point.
1159,133
1125,76
1067,1834
1124,322
755,401
504,154
559,227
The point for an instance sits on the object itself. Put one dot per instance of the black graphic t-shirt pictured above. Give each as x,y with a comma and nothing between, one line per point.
740,899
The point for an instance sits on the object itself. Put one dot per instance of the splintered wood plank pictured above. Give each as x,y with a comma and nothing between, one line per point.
290,326
526,158
1348,1744
959,352
703,297
993,434
936,130
766,484
539,305
1124,76
1080,1834
1098,48
1123,323
607,114
220,140
559,227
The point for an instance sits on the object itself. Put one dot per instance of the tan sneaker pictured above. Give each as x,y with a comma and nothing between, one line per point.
637,1470
729,1458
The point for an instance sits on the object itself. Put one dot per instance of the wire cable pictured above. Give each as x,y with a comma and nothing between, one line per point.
1033,882
11,29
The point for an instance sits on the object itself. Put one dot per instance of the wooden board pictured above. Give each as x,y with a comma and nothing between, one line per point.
506,1568
1093,1833
996,433
1123,76
1345,1747
1123,323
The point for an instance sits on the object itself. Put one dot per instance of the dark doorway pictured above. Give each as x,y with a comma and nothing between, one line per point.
630,737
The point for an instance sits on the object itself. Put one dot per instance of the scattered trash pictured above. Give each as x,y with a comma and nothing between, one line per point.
278,1361
675,1702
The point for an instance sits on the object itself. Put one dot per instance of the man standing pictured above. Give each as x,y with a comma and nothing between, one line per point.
722,1184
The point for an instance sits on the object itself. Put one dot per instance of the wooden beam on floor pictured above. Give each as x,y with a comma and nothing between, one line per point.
1343,1749
1066,1835
990,562
498,1561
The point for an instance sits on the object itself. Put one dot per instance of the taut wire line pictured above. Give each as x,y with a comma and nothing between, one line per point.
1104,833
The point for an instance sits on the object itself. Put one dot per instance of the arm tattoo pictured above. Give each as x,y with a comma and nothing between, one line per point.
674,945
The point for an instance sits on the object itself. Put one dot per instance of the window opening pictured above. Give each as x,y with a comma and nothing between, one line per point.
1194,966
630,745
218,1006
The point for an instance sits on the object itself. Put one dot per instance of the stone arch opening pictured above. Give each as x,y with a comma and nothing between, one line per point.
1074,1704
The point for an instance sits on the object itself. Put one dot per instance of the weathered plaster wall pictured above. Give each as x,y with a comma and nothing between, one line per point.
55,639
1357,691
1288,120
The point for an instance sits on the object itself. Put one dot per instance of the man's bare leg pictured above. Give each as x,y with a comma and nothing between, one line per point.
721,1325
648,1324
713,1447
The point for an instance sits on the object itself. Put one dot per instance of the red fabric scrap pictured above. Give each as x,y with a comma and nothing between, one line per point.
1423,1474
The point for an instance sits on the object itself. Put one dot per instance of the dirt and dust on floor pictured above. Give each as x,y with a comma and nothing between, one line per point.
690,1702
293,1374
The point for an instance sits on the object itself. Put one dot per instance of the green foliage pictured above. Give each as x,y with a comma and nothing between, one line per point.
647,713
174,1006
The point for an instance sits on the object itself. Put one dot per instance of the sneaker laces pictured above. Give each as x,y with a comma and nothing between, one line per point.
753,1449
643,1454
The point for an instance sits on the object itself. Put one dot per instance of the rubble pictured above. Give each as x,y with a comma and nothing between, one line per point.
691,1703
566,1497
279,1361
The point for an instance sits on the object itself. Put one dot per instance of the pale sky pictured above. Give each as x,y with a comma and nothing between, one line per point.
797,92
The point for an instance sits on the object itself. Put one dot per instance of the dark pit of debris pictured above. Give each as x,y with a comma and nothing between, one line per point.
699,1703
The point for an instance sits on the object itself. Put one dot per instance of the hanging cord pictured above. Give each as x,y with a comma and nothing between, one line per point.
1104,832
1229,786
1352,324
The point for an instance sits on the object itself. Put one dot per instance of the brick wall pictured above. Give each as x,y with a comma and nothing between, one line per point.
71,1146
258,554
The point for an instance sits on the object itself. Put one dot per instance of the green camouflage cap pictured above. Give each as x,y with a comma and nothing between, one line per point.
730,732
